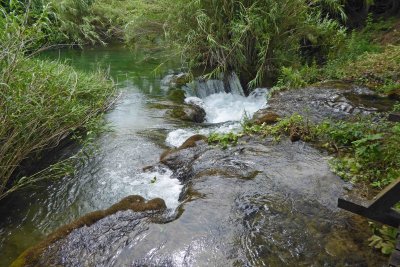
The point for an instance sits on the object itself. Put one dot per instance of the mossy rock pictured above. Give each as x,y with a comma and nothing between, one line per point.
135,203
188,113
182,79
175,80
266,117
176,95
190,142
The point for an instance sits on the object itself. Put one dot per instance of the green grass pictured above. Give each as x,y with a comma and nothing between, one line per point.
364,59
42,103
366,151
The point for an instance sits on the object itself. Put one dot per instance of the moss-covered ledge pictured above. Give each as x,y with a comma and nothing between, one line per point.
135,203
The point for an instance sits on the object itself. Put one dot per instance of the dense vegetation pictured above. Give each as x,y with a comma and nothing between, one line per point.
282,43
42,102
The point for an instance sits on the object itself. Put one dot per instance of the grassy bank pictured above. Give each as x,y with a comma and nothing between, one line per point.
42,102
369,57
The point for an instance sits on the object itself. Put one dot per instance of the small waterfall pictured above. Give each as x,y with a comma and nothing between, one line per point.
227,84
225,105
233,84
204,88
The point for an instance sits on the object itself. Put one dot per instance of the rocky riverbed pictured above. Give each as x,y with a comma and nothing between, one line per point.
260,203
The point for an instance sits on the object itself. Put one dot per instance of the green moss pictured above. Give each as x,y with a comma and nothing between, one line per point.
176,95
178,113
224,140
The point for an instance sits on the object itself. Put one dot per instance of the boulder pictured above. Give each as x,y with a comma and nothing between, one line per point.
176,95
265,116
188,113
175,80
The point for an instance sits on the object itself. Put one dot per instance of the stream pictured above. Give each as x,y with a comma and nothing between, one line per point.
139,135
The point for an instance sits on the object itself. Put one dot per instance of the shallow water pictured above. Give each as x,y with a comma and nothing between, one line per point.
115,171
257,205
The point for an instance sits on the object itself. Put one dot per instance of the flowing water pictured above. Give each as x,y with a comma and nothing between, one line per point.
140,134
259,204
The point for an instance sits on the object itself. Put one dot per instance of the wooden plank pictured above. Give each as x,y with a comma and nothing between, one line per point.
395,117
388,197
380,209
394,260
388,217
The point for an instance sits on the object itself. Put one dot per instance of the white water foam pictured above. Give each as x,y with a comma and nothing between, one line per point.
153,184
221,108
178,137
226,109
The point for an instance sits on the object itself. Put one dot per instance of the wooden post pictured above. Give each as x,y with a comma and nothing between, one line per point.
380,209
395,257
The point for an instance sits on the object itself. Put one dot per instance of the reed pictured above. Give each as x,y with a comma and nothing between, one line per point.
41,102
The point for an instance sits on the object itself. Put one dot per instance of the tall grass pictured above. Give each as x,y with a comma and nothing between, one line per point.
253,37
41,102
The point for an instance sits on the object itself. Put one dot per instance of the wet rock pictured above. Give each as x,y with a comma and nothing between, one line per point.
176,95
194,101
327,101
193,141
259,204
395,95
175,80
265,116
31,257
188,113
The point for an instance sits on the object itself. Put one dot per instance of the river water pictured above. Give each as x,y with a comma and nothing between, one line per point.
139,134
